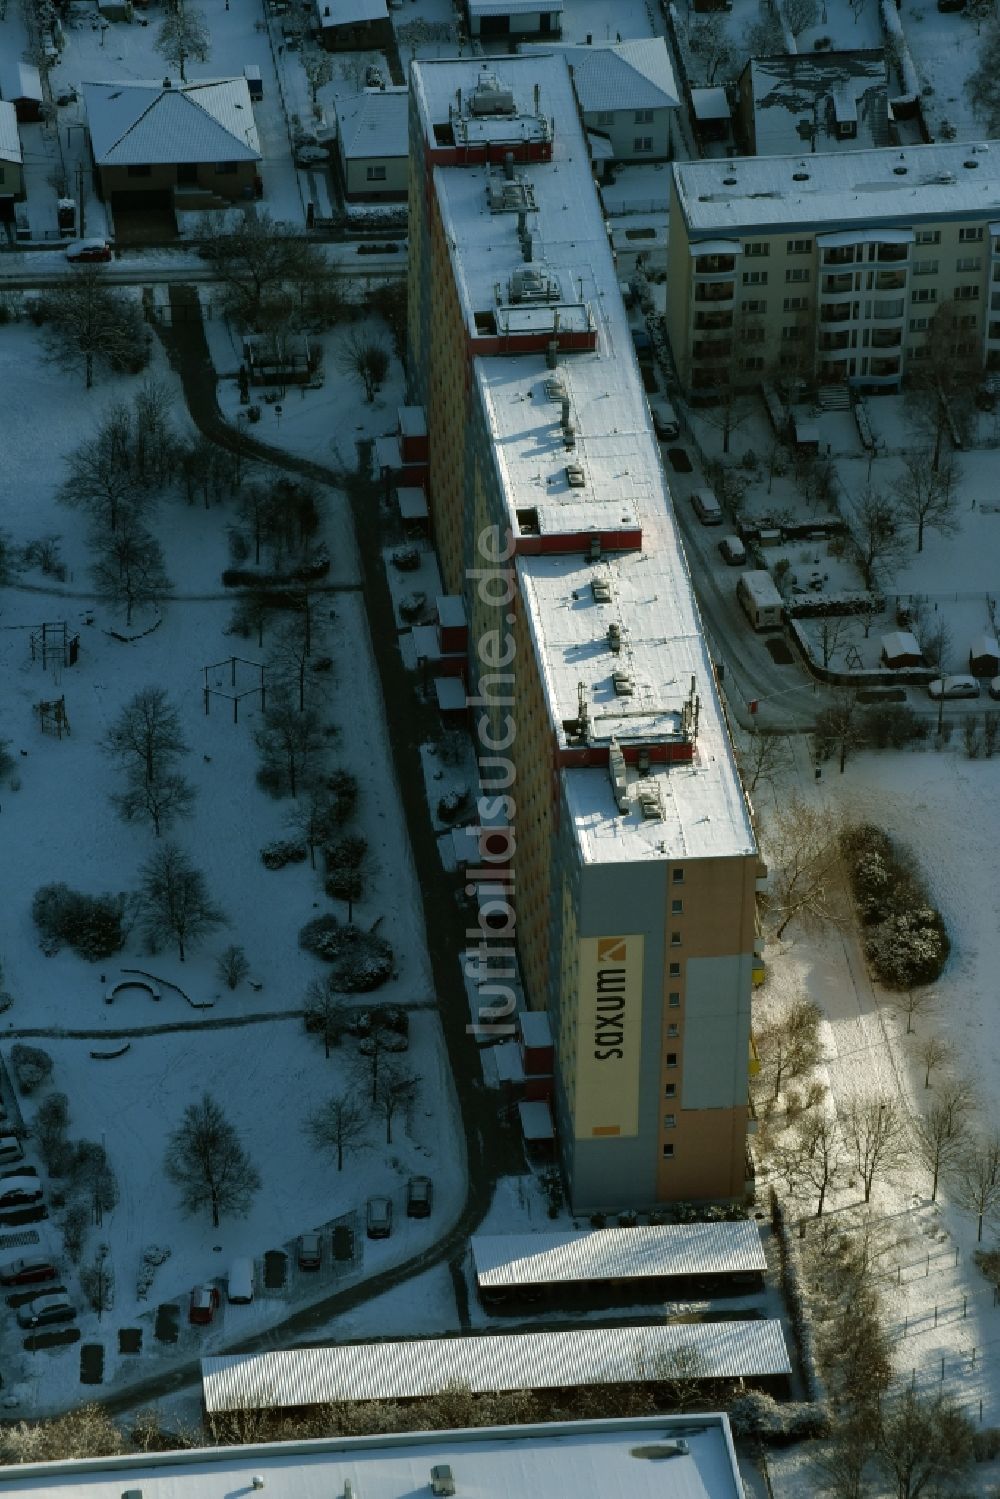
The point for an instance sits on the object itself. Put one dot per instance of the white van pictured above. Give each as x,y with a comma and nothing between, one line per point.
240,1286
761,601
665,423
707,508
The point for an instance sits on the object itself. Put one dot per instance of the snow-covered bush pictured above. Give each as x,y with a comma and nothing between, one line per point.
361,961
284,851
792,1284
407,559
75,1223
908,948
755,1414
343,859
51,1124
453,803
153,1256
93,925
412,605
32,1066
343,787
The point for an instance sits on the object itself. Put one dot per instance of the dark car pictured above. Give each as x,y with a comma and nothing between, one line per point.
310,1251
419,1197
43,1310
27,1270
679,460
83,251
643,345
379,1217
204,1300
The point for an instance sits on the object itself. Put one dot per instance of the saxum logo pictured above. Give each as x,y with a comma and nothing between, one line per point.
609,1000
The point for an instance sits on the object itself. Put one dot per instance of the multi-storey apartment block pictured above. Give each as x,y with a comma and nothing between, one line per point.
630,889
833,266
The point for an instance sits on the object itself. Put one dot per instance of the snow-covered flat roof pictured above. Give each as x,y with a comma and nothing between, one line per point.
350,12
612,479
505,1361
20,80
559,1460
374,123
894,185
618,1254
513,7
10,141
140,124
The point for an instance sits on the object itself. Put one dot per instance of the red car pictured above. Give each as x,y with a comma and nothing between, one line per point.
88,250
26,1271
204,1300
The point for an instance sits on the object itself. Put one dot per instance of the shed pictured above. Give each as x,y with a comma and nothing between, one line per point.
451,701
900,648
806,434
11,159
984,656
412,502
536,1127
711,112
21,85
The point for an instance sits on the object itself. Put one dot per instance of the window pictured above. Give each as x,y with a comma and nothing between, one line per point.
670,1090
644,117
753,335
672,1032
606,117
796,304
675,939
753,306
922,351
670,1121
375,174
674,999
139,171
925,267
642,143
928,236
797,273
668,1152
675,970
970,236
677,908
757,247
918,324
225,169
671,1059
969,263
754,278
753,362
677,876
968,320
798,247
966,293
793,334
924,294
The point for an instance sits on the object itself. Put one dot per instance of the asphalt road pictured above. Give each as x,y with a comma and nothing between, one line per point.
38,270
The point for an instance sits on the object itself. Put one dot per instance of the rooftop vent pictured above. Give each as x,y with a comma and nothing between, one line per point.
442,1482
489,97
555,390
615,637
601,589
729,181
800,176
900,171
971,165
619,776
510,195
552,353
575,477
533,284
595,549
569,436
651,808
623,683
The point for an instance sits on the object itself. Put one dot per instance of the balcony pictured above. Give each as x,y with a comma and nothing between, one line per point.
715,291
839,312
832,284
830,341
721,349
842,255
888,254
993,333
884,369
893,308
713,322
887,338
715,265
890,280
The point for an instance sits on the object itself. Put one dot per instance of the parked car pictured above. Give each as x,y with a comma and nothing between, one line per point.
643,345
379,1217
679,460
10,1148
994,687
310,1251
733,551
26,1270
953,687
17,1191
707,508
86,250
204,1300
43,1310
665,423
311,156
419,1197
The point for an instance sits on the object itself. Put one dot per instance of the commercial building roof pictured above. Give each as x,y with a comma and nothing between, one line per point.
374,123
633,74
141,124
896,185
649,629
558,1460
513,7
350,12
504,1361
618,1254
800,98
20,80
10,141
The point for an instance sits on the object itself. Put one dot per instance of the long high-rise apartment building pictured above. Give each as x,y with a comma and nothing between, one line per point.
833,265
602,739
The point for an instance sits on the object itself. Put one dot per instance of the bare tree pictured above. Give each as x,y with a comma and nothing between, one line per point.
790,1045
709,44
927,497
800,15
128,569
876,1133
765,36
878,542
803,856
160,801
923,1439
983,83
368,358
318,68
945,379
815,1156
207,1163
89,323
256,260
975,1178
231,965
337,1124
680,1374
183,37
325,1012
931,1053
174,900
940,1135
291,744
395,1091
841,727
763,758
147,737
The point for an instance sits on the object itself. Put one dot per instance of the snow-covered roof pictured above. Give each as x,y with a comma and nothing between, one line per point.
20,80
560,1460
710,104
798,98
503,1361
505,1260
513,7
10,141
621,485
536,1030
896,185
899,643
350,12
985,645
374,123
622,75
138,124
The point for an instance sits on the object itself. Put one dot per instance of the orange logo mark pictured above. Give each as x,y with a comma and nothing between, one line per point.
611,950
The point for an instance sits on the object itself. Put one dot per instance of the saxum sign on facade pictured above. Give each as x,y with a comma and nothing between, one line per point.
608,1037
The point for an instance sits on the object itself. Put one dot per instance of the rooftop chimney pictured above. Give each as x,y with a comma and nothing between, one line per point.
508,165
